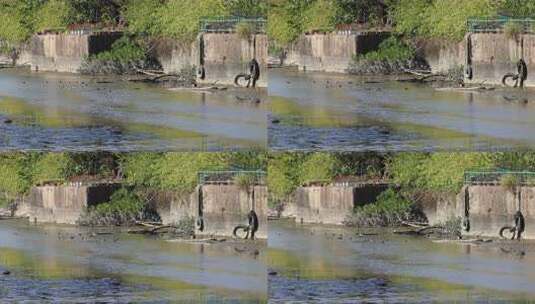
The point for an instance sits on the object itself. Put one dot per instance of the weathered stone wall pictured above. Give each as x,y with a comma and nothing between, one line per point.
223,206
443,56
174,56
490,56
63,204
226,206
65,52
493,55
490,208
331,52
225,55
329,204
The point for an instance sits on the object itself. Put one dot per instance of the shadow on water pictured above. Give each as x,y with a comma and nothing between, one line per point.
322,264
61,263
50,111
342,112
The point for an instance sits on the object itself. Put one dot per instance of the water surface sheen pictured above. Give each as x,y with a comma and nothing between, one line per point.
53,111
342,112
69,264
326,264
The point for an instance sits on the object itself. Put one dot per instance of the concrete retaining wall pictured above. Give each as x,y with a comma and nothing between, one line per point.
490,55
490,208
331,52
330,204
224,206
493,55
63,204
65,52
224,55
443,56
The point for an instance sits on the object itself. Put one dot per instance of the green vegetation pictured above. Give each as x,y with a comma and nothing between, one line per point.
390,209
144,175
419,177
245,30
125,57
124,208
245,181
124,50
512,30
159,171
441,172
287,171
178,171
439,19
19,19
181,18
20,171
390,50
289,18
509,182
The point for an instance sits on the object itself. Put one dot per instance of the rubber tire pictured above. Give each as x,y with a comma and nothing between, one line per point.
247,78
245,228
510,229
510,75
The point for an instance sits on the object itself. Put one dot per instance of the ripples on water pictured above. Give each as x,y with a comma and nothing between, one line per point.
312,111
53,111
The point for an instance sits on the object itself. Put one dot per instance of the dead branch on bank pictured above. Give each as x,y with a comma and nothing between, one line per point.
150,228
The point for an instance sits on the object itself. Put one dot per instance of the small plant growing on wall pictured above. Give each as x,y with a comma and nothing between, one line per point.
512,30
245,30
245,181
509,182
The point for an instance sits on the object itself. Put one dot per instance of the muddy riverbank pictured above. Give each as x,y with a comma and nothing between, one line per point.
336,112
58,112
313,264
72,264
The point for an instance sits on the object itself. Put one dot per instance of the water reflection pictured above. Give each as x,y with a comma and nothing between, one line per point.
61,263
322,111
110,113
324,264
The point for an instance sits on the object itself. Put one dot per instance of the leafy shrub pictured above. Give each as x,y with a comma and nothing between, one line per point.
54,14
391,49
390,209
320,16
441,171
123,50
52,167
170,171
318,167
180,18
434,19
124,207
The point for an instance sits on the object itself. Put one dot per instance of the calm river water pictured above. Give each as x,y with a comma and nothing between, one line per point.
57,112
